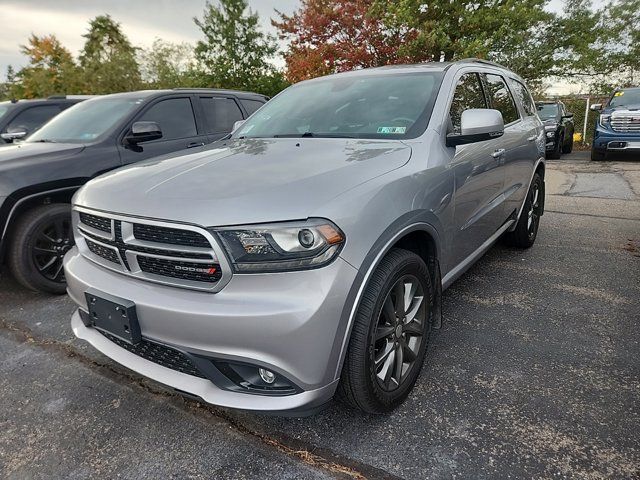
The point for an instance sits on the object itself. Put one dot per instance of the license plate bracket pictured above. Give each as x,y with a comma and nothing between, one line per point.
114,315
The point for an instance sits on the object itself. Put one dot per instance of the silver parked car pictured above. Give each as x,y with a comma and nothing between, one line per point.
305,256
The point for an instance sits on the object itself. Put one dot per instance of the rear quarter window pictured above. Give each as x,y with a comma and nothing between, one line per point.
524,98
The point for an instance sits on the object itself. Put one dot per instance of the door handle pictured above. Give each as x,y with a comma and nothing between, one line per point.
195,144
498,153
531,139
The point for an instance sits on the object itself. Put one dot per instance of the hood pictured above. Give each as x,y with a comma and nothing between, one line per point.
244,181
622,108
550,123
35,152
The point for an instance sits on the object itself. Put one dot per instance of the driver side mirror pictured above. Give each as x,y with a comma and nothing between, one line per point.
568,115
596,107
14,133
477,125
143,132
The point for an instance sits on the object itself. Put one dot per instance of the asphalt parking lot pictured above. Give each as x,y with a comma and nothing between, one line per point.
535,374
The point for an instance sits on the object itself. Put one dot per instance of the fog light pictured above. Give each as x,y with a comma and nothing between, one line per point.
267,376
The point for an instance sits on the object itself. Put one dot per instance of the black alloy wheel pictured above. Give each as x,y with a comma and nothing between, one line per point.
399,333
39,241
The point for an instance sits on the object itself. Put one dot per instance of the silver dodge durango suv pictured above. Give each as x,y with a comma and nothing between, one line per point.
304,256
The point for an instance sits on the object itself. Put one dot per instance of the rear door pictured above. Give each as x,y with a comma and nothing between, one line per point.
220,113
180,131
478,176
521,161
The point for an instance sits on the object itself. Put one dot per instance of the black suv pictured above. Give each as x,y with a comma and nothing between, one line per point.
558,126
39,176
19,118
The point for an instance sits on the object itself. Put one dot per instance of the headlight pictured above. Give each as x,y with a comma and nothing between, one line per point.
551,134
278,247
604,118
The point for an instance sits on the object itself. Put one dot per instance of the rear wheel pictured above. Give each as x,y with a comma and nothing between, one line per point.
524,236
39,242
390,335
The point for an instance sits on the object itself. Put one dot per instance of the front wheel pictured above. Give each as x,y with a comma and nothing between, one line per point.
390,335
597,155
524,236
568,148
39,242
557,149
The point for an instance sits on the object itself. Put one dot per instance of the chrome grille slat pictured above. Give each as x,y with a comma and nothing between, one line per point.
151,250
625,122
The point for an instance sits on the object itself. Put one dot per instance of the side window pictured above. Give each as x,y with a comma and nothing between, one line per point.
221,113
175,117
523,95
468,94
34,117
501,98
251,105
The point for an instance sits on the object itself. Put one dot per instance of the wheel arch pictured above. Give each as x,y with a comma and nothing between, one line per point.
23,200
418,236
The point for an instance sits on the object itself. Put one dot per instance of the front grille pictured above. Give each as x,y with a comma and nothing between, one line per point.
172,236
196,272
99,223
157,353
170,253
626,122
103,251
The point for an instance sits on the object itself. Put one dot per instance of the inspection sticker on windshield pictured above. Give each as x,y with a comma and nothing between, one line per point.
393,130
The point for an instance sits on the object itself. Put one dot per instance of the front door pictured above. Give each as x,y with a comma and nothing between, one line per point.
176,118
478,177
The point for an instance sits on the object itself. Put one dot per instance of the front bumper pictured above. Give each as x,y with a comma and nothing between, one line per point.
285,322
610,141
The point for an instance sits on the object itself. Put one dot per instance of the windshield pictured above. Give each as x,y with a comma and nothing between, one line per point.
547,110
373,106
625,97
85,121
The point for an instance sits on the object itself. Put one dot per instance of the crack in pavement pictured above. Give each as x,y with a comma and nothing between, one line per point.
310,455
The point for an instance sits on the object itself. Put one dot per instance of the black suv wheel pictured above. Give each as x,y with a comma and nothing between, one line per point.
39,242
390,335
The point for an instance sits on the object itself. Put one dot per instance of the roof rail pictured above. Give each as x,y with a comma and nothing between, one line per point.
480,60
56,97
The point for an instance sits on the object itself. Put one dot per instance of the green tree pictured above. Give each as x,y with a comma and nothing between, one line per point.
234,52
8,86
514,33
51,69
108,58
168,65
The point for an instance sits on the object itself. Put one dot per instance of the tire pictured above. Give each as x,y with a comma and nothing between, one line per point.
568,148
557,149
598,156
363,384
39,241
524,236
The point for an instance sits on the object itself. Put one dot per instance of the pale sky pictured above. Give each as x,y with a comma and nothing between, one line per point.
142,21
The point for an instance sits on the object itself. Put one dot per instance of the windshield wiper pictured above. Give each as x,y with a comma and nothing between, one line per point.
44,140
313,135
